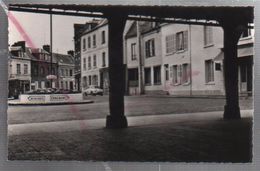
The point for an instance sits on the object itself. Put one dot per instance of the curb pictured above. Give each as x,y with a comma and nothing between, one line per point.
49,104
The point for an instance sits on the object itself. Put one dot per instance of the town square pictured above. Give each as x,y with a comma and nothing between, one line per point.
131,83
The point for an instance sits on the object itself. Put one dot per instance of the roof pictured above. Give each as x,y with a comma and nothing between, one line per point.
144,28
101,23
64,59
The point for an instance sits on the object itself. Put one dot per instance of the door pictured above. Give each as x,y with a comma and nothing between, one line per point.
71,85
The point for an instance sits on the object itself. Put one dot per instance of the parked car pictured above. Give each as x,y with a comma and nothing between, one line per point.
93,90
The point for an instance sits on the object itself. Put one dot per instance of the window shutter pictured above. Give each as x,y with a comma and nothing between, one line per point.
189,74
210,35
153,48
174,43
167,43
185,36
179,73
171,71
147,49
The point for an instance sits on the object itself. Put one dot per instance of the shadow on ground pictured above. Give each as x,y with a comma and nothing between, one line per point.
213,141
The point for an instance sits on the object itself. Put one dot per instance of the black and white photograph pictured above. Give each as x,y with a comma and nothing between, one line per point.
129,83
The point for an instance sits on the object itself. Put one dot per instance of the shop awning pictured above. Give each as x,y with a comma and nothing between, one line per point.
242,52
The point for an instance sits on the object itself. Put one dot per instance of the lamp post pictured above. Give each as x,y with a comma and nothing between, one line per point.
51,47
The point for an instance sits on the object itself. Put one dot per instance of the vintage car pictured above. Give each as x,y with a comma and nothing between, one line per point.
93,90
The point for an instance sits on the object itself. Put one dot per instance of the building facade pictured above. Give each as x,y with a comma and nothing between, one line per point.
94,56
78,30
41,65
180,59
19,72
66,71
144,58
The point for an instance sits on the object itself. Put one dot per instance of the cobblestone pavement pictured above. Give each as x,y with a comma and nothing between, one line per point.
197,137
134,106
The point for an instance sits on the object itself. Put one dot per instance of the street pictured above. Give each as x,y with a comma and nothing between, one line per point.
156,132
134,106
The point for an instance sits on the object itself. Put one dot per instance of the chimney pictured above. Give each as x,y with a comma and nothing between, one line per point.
71,52
46,47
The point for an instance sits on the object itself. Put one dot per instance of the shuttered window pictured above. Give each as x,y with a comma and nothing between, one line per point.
182,40
209,71
174,74
208,36
149,48
170,43
185,73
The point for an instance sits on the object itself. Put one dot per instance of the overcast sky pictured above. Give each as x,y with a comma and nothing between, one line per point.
37,26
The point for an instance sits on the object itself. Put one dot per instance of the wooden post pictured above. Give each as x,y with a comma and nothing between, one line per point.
116,24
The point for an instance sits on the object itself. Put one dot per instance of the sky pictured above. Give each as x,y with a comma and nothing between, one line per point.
37,27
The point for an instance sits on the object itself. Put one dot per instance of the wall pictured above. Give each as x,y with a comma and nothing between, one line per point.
98,50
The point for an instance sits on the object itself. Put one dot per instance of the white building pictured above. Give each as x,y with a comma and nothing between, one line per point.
183,59
94,56
143,58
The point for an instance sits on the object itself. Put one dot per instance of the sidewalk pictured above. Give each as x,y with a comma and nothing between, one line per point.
177,137
18,103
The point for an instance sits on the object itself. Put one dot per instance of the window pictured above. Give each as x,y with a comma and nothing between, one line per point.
170,43
89,62
246,33
94,41
61,72
53,71
85,82
218,66
175,74
89,42
42,70
71,72
66,85
180,41
133,51
25,69
103,59
166,69
149,48
185,73
18,69
39,84
84,44
147,76
133,77
209,71
94,61
67,72
89,80
84,64
61,84
157,74
103,37
208,36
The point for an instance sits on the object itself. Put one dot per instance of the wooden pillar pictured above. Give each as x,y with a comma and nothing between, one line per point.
116,24
232,33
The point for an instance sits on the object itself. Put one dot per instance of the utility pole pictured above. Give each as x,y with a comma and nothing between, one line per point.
51,46
141,62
